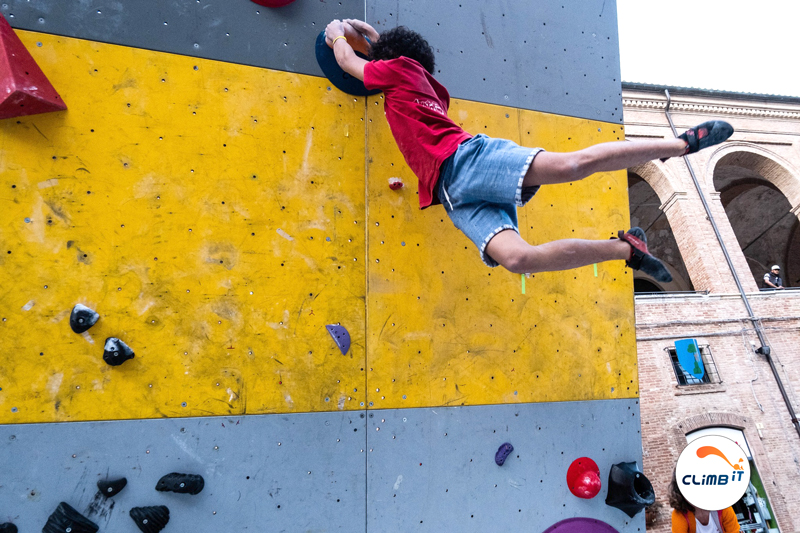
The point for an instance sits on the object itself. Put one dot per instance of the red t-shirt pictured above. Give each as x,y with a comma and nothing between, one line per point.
416,109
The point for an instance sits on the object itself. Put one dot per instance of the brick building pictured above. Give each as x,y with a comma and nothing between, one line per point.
751,187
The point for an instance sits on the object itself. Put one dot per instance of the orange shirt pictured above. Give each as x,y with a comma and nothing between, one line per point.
687,524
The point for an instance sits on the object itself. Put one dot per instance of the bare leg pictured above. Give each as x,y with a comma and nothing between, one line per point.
555,167
516,255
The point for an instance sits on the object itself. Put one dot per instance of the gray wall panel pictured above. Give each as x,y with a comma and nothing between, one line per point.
314,480
434,470
383,471
554,56
236,31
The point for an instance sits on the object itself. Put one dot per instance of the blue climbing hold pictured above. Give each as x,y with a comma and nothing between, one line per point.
341,336
502,453
338,77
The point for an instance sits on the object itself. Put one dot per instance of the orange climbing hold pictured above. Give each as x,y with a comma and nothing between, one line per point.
24,89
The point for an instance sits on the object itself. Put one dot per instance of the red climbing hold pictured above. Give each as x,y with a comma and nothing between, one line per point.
395,183
273,3
583,478
24,89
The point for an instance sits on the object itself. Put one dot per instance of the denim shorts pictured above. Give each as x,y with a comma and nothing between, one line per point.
480,186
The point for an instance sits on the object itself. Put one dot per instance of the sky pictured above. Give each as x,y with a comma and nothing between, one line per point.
733,45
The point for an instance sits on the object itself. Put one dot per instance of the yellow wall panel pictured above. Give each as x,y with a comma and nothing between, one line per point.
443,329
212,213
215,215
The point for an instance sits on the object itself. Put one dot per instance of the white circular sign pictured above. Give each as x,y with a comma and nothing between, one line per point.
713,473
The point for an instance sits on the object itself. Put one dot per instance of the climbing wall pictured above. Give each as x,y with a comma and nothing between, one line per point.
218,202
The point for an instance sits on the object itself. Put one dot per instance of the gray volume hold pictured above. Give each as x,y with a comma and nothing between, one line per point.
82,318
66,518
116,352
150,519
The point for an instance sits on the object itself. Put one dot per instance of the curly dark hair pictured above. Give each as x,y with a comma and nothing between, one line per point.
401,41
676,499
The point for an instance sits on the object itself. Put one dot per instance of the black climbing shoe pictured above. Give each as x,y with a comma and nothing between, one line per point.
705,135
641,259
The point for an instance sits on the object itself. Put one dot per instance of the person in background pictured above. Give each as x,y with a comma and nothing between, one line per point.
686,518
772,279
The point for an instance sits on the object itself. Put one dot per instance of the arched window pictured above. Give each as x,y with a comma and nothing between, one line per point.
760,215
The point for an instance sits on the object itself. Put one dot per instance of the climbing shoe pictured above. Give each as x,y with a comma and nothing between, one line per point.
641,259
705,135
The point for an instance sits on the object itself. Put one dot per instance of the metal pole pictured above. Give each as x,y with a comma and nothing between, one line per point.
764,350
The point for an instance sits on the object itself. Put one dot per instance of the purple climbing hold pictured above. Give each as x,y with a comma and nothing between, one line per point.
581,525
341,336
502,453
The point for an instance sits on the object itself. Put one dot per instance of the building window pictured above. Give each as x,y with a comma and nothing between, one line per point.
686,378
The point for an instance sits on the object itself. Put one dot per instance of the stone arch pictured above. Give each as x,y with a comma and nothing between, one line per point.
707,420
711,419
760,194
650,189
767,164
659,177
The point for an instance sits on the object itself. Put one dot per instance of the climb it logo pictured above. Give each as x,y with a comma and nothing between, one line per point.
712,473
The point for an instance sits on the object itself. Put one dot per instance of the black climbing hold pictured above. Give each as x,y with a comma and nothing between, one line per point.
65,518
111,487
182,483
116,352
502,453
628,489
338,77
8,527
341,336
82,318
150,519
